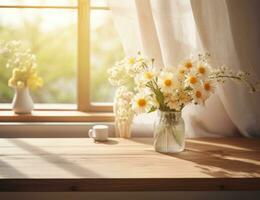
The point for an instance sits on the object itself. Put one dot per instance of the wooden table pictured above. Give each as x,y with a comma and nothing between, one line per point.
128,165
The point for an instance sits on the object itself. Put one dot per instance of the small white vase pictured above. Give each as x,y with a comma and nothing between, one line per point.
122,128
22,102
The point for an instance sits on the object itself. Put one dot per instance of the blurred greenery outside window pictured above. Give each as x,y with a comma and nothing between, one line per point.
51,34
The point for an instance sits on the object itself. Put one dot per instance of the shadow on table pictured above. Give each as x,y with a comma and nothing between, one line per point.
222,159
108,142
57,160
9,171
147,140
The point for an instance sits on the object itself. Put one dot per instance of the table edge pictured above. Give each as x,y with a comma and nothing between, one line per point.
129,184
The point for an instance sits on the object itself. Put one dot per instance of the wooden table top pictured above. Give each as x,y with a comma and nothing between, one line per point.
79,164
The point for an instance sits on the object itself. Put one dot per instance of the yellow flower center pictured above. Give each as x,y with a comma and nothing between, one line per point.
202,70
198,94
168,82
188,65
207,86
141,102
148,75
193,80
131,61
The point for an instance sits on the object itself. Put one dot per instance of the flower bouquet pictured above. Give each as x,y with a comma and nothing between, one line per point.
24,74
143,88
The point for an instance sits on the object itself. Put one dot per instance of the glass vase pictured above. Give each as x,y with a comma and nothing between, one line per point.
169,133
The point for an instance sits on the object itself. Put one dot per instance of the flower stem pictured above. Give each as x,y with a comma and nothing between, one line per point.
247,82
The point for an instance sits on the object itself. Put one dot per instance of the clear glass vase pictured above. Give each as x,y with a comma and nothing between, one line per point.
169,133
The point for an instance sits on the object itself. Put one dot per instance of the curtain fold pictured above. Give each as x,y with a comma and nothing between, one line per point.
171,30
230,30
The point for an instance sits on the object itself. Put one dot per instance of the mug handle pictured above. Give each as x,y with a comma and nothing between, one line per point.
90,133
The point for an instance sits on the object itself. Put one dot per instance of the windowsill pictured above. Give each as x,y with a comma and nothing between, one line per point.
43,106
56,116
94,106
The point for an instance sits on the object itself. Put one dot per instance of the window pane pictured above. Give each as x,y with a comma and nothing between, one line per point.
106,49
52,36
40,2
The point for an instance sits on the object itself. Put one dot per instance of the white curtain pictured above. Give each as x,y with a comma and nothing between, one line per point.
170,30
230,29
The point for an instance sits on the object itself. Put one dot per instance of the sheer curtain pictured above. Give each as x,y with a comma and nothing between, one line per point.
230,29
171,30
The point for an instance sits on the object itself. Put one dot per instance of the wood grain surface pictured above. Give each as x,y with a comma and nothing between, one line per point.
72,164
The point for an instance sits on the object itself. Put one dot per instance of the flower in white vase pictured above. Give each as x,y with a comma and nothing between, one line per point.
136,65
123,103
118,75
23,63
20,85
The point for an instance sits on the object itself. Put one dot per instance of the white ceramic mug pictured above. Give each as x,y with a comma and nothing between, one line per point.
99,132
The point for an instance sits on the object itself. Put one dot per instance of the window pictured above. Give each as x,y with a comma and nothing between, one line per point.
75,41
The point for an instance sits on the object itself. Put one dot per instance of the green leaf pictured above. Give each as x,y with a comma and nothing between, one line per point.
152,109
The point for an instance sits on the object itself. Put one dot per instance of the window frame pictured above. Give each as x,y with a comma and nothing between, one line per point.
86,111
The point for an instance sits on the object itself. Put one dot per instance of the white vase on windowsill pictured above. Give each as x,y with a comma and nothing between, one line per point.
22,102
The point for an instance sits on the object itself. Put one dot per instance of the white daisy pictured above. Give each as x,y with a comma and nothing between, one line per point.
131,60
181,72
133,66
188,64
168,82
192,80
199,96
202,70
209,87
148,75
143,78
142,103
